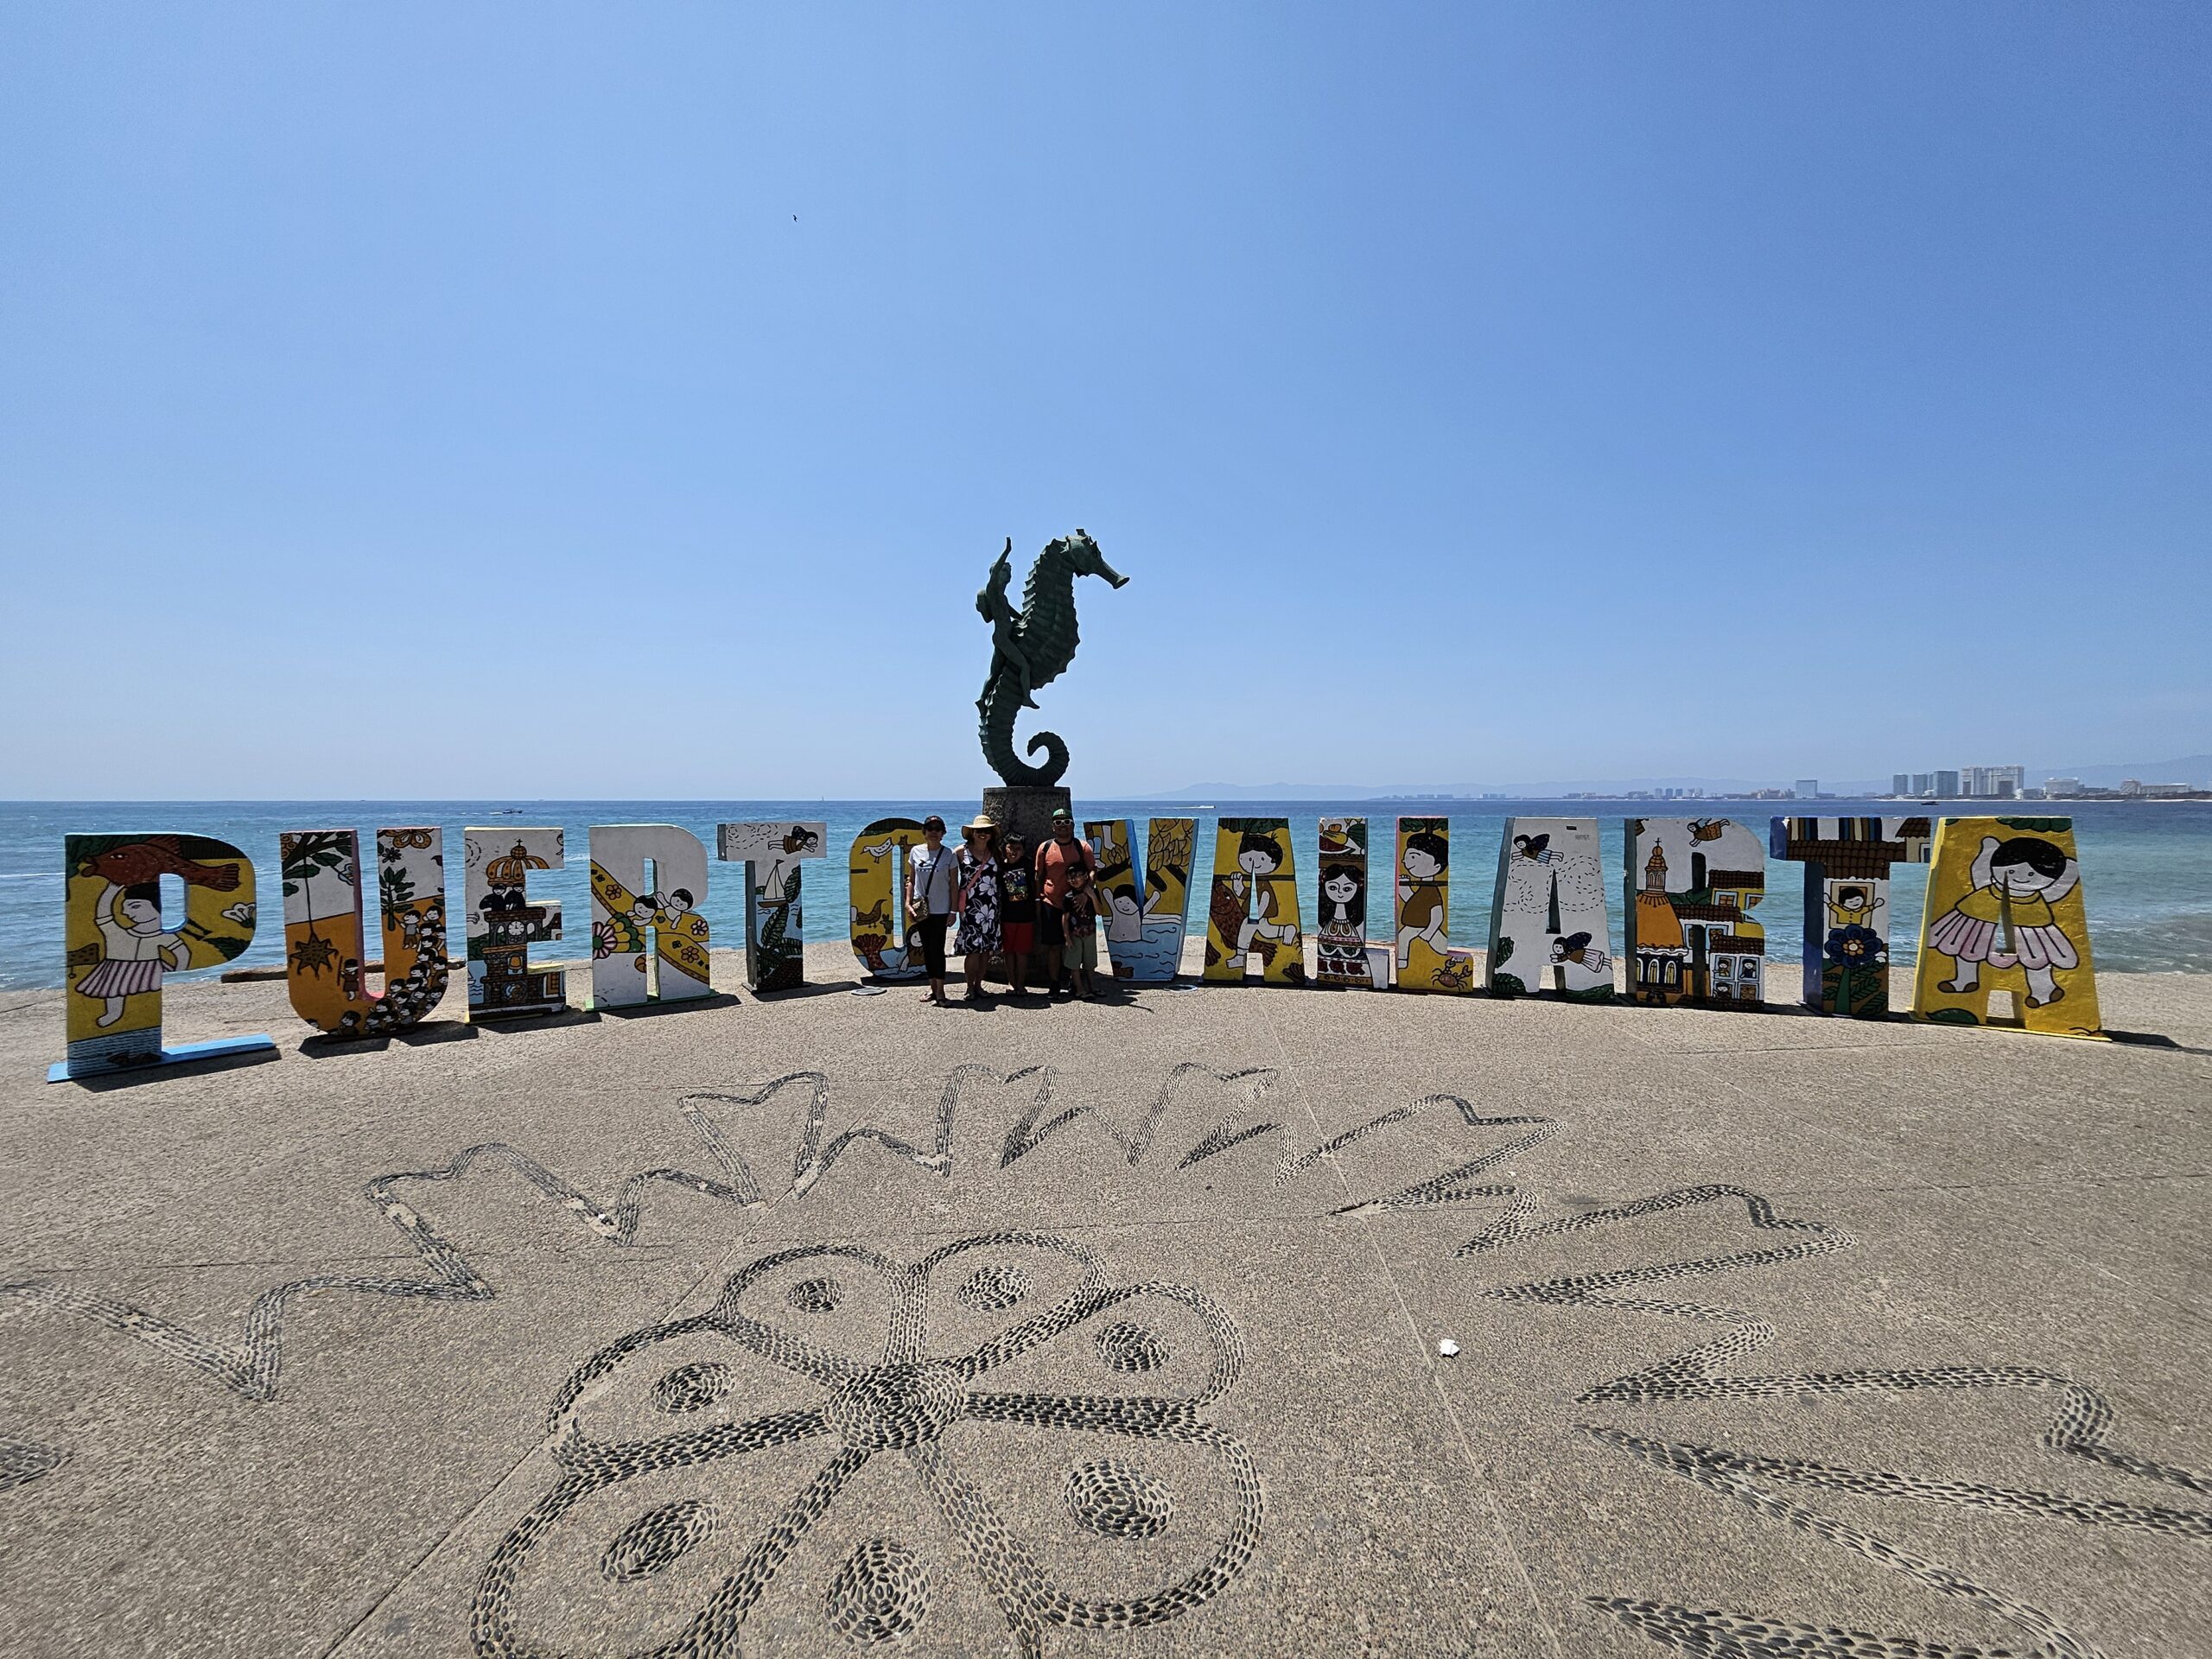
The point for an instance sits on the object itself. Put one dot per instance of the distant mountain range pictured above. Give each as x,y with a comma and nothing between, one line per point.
2189,769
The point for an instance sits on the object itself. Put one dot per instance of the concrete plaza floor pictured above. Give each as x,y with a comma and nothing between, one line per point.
802,1326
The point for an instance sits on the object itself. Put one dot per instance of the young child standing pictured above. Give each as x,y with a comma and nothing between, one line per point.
1079,912
1017,911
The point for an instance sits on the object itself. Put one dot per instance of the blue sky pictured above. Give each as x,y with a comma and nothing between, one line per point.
545,401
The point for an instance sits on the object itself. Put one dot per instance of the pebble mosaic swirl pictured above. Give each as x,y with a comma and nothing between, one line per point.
881,1592
901,1402
24,1461
2078,1430
1118,1500
251,1367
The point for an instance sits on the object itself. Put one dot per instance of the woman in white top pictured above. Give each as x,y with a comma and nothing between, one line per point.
932,891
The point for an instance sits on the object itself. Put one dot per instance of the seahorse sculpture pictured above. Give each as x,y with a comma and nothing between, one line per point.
1031,647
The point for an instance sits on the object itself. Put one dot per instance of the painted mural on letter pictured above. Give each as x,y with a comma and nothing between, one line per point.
875,900
326,958
2005,917
1846,860
1426,960
1690,937
1146,907
502,921
1547,924
119,946
649,943
1340,956
1254,906
775,948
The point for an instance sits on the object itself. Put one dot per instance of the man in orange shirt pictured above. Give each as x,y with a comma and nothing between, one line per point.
1058,854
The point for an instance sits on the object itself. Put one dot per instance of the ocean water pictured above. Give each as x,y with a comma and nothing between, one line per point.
2147,868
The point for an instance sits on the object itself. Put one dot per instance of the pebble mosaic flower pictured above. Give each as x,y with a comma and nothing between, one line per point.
817,1365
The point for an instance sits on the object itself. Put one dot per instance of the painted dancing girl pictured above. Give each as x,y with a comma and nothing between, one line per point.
2015,881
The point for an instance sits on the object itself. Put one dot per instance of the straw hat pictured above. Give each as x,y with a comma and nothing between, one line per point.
978,823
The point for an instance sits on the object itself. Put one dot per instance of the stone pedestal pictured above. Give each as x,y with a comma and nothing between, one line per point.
1027,809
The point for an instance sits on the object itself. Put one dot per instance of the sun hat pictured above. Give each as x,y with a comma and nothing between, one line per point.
979,822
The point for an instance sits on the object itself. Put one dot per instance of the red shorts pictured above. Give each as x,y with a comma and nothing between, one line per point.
1015,938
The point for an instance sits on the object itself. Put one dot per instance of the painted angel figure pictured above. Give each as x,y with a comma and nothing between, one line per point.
2024,876
135,949
794,845
995,608
1581,950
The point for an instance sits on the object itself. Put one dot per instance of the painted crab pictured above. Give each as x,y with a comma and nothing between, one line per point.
819,1403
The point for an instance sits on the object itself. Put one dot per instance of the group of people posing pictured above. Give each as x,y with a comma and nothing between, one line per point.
995,897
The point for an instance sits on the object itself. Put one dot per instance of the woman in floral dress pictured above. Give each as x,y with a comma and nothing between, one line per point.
977,872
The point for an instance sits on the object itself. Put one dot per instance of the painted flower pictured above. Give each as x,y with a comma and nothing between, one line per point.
1853,946
821,1420
604,942
241,912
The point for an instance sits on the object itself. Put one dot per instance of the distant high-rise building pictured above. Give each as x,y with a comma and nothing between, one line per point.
1993,782
1900,782
1808,788
2055,787
1944,785
1923,783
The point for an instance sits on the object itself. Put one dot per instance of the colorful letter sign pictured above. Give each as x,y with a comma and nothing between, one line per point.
1548,926
118,945
1426,960
2004,916
1340,931
648,939
775,948
1692,884
325,968
1146,909
1255,904
875,900
502,923
1848,904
